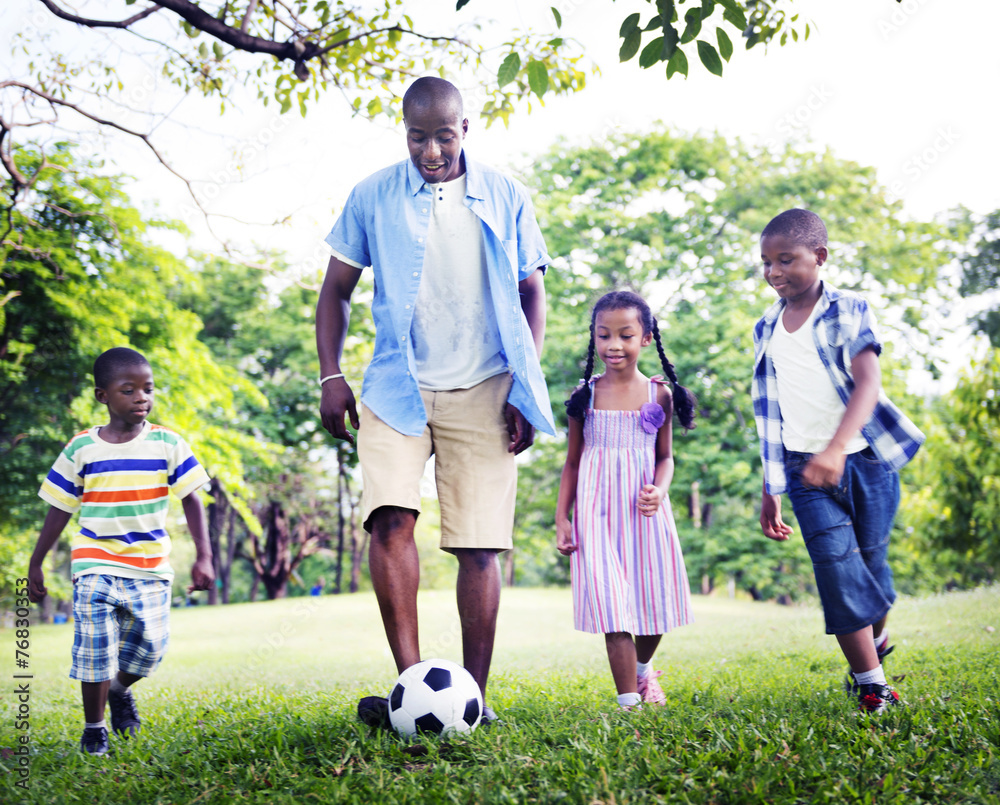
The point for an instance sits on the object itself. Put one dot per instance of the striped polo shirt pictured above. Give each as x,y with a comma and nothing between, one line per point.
121,492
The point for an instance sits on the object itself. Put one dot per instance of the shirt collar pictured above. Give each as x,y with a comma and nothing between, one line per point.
473,179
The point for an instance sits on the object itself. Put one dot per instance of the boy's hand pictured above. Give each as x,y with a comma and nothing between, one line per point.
824,469
650,498
564,538
202,575
770,518
36,584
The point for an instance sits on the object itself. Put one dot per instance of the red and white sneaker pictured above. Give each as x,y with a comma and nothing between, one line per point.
650,689
875,698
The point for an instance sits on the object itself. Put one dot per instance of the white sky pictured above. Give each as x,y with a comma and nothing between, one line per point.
910,88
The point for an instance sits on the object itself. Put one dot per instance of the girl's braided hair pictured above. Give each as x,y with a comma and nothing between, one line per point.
579,400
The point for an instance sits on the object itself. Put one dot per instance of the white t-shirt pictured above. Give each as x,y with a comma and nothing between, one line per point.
811,409
456,340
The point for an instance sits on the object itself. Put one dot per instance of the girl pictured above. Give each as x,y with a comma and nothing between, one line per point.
628,572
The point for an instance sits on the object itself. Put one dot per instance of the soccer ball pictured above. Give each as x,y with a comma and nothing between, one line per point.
437,696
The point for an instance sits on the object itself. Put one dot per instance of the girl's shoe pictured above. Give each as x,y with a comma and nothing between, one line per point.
650,689
94,741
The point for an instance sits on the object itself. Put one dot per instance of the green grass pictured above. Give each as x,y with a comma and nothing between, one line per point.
255,703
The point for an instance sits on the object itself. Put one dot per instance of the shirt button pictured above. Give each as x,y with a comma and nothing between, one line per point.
424,209
407,307
416,274
420,240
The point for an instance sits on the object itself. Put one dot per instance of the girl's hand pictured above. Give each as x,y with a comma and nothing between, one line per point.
650,498
564,538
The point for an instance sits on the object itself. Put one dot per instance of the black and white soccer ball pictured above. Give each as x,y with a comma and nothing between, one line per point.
437,696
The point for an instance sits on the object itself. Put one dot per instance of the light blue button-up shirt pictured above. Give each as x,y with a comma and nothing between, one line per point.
384,225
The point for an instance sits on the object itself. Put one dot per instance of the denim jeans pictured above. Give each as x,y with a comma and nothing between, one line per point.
846,531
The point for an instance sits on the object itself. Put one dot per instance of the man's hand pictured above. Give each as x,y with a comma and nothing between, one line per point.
338,400
770,518
522,432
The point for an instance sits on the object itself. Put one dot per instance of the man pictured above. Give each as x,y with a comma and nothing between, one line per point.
459,312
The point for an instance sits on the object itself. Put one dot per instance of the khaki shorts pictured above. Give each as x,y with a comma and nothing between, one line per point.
475,472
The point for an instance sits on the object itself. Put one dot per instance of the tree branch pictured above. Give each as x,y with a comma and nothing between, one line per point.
55,101
65,15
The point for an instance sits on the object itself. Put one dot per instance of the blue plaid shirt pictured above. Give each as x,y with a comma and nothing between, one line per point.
843,327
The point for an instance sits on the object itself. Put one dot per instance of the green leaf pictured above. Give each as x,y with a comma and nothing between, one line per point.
630,24
217,50
460,4
725,43
557,15
509,69
653,24
538,77
709,58
678,64
631,45
693,25
670,39
735,17
652,53
707,7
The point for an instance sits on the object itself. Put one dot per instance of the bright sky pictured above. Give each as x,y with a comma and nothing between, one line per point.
910,88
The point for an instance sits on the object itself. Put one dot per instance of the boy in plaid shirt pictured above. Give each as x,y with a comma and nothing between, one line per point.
119,477
833,441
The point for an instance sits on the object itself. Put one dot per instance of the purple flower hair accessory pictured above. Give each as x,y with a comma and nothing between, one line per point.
652,416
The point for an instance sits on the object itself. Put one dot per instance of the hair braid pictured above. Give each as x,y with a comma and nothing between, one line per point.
579,400
684,402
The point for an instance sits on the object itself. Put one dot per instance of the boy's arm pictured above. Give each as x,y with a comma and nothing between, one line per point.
55,522
826,468
567,489
202,571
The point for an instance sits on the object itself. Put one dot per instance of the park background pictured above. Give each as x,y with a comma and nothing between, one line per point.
882,120
211,268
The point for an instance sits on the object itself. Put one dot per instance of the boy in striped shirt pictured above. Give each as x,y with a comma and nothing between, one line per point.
118,478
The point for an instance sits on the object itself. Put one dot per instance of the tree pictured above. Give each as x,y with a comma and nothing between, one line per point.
291,52
958,509
981,276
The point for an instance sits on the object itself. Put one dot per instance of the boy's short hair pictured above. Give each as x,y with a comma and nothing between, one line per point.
801,226
111,361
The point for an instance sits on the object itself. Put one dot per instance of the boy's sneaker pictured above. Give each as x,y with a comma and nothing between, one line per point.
851,684
94,741
124,716
650,689
374,711
876,698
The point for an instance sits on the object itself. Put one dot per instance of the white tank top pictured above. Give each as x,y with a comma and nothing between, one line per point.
811,409
456,340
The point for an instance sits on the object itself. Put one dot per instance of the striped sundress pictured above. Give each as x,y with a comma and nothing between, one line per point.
628,572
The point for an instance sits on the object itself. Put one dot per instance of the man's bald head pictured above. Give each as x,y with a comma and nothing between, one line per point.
431,92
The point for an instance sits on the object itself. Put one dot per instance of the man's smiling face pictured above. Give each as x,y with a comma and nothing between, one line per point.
434,136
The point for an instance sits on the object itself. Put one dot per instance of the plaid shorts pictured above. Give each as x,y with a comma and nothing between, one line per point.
119,623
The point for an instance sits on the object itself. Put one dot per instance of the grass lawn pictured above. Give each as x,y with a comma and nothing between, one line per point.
255,703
